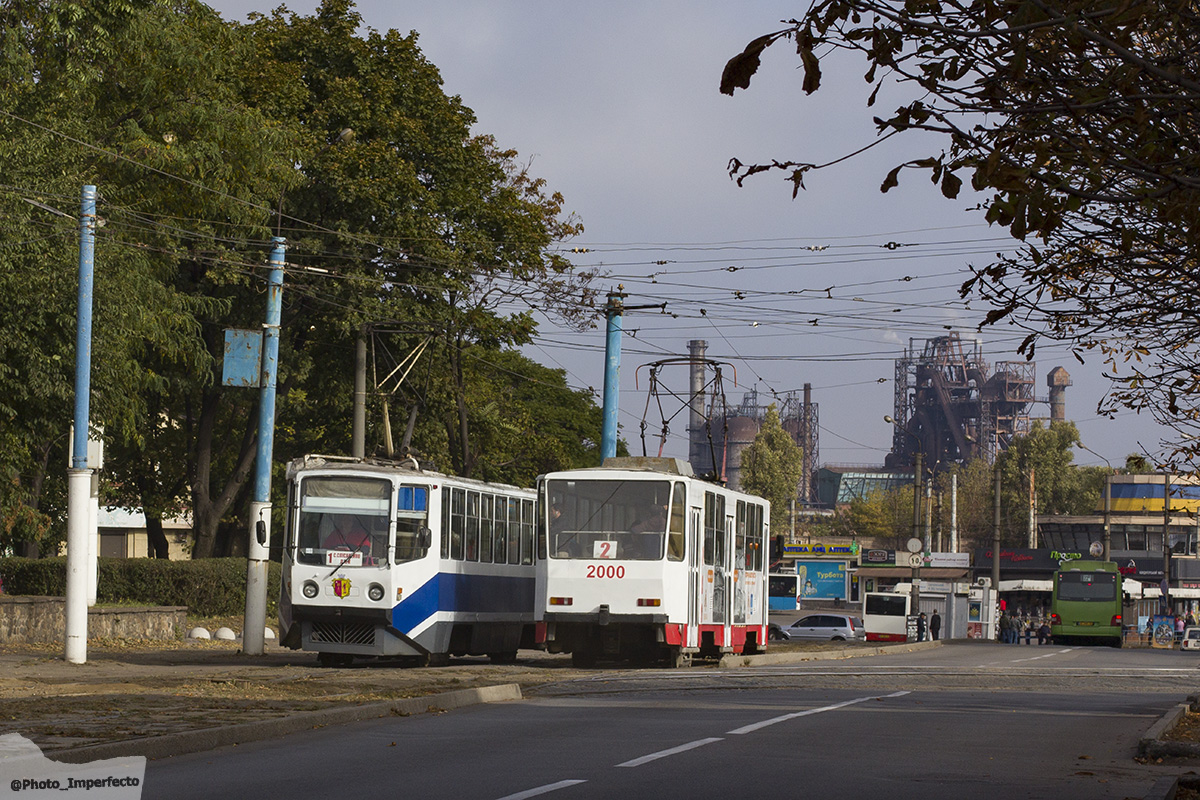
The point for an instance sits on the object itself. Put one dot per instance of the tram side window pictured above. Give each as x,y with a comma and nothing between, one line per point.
485,528
714,529
739,537
514,531
472,539
678,523
501,532
444,551
758,536
722,531
526,531
458,503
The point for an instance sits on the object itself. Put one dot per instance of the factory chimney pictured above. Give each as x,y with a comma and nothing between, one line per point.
1058,381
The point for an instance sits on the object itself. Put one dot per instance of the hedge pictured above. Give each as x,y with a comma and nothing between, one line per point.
209,587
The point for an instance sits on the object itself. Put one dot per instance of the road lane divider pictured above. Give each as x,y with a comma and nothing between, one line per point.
683,748
540,790
775,720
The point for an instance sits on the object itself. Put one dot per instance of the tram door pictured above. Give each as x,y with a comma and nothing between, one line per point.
694,550
728,570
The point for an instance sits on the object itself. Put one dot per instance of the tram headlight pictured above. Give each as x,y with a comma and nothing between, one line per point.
310,589
375,592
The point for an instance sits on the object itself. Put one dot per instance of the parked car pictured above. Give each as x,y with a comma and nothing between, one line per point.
1191,639
821,627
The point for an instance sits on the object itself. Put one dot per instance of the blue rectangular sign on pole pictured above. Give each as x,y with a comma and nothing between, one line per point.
242,364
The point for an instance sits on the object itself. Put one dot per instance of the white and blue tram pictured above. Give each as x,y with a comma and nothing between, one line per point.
385,559
644,562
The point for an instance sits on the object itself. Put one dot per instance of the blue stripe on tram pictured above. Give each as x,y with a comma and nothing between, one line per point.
473,594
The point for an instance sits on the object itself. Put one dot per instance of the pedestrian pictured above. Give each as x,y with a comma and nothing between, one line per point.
935,625
921,627
1005,627
1044,633
1028,625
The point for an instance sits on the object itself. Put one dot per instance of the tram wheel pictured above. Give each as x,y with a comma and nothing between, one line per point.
678,659
583,658
334,659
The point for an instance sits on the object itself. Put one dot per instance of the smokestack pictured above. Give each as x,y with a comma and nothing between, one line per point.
698,450
1058,380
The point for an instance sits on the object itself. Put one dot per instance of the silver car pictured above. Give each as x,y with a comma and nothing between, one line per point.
822,627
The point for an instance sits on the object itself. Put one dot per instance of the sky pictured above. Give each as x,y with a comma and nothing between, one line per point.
616,105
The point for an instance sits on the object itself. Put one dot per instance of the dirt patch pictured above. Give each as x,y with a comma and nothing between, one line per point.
128,690
1186,730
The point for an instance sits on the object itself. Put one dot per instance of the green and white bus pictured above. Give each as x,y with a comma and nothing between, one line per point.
1085,606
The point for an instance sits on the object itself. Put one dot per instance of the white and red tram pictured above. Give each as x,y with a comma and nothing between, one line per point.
639,560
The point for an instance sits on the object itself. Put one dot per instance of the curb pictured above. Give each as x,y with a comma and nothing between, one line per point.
1152,745
174,744
734,660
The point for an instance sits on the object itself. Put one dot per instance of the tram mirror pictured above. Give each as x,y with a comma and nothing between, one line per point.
426,537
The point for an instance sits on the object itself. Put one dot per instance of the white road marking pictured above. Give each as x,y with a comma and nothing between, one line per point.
759,725
549,787
1035,658
637,762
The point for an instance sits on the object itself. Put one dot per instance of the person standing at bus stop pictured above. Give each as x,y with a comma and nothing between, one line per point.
935,625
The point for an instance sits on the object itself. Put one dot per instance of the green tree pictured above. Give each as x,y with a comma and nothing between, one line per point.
205,138
772,467
106,93
1075,121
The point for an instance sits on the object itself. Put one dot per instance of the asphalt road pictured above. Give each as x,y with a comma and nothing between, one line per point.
979,721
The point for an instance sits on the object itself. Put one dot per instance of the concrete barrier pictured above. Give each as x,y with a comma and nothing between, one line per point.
33,620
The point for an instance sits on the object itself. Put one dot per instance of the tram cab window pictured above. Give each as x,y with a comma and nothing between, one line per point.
606,518
343,522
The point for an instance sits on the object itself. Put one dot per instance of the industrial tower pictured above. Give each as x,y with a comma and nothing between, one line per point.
951,407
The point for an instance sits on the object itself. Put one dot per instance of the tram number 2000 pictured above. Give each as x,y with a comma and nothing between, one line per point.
605,571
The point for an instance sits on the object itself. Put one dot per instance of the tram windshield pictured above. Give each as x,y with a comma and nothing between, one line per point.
617,519
343,522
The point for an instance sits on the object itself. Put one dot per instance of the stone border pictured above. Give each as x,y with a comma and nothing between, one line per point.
174,744
733,660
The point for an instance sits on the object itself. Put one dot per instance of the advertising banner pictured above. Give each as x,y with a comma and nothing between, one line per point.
821,580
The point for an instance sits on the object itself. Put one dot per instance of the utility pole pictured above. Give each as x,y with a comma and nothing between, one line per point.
358,434
1166,581
612,372
79,477
996,533
918,476
258,551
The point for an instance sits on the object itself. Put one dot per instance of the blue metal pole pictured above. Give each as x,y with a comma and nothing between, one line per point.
612,373
270,364
258,552
83,329
79,477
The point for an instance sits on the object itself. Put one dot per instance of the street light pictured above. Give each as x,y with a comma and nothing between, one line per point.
918,478
1107,501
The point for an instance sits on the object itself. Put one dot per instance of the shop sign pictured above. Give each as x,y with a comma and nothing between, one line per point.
842,550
